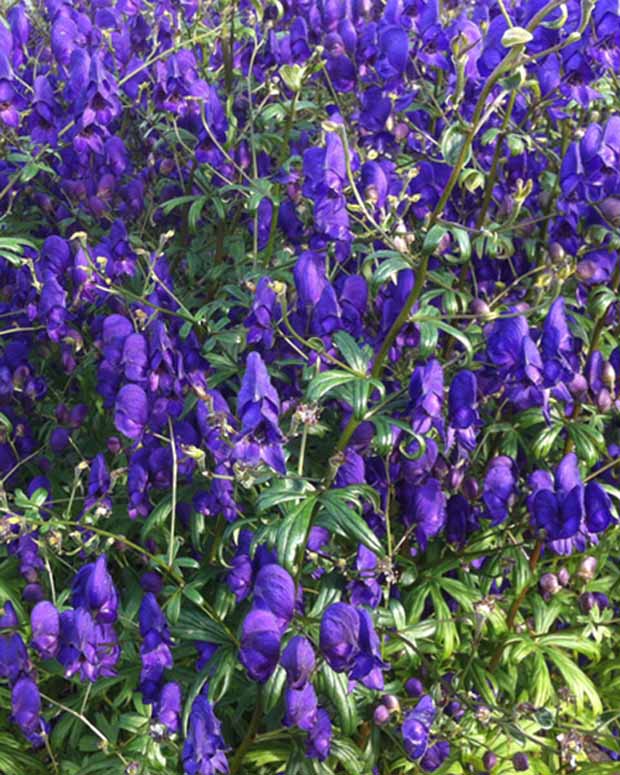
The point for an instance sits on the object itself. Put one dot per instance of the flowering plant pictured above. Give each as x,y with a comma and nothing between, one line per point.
309,438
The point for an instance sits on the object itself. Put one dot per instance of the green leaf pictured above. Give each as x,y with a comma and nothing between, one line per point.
433,238
272,690
336,687
292,75
576,680
157,517
516,36
351,351
539,680
348,523
327,381
452,142
292,534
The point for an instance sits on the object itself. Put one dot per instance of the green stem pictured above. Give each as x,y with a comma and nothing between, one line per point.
250,734
173,511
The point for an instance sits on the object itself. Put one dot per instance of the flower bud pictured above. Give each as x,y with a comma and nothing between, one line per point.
604,400
489,760
556,252
391,703
480,307
381,715
587,568
610,210
549,584
520,762
563,577
608,375
470,488
414,687
578,386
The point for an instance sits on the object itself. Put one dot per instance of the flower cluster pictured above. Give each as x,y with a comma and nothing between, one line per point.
309,374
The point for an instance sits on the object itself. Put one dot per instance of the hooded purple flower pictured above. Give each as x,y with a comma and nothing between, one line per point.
499,488
155,650
131,411
258,408
260,644
426,393
301,707
298,661
417,726
274,591
559,510
45,624
320,736
435,756
26,710
462,413
94,590
350,644
204,750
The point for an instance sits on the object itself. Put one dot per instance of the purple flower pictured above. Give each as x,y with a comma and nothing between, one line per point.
499,488
258,408
45,624
204,750
417,726
94,589
155,650
598,508
260,644
274,591
26,710
168,708
435,756
301,707
559,511
298,661
320,737
131,411
350,644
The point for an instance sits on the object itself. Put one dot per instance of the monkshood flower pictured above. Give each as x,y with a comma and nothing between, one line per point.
424,505
435,756
366,589
265,311
557,507
204,750
87,647
45,625
167,709
260,644
14,659
463,417
589,172
26,711
99,483
499,490
155,650
416,727
298,661
131,411
350,644
264,626
320,737
301,707
517,361
94,590
258,405
558,347
426,394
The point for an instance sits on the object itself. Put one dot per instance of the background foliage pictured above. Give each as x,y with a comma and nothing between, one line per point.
308,355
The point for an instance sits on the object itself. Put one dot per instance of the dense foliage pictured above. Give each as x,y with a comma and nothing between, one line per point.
309,436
